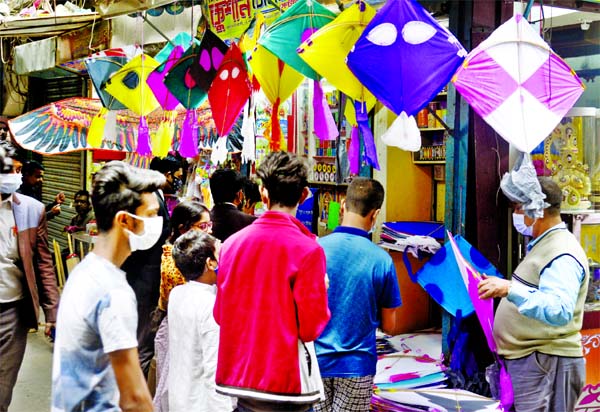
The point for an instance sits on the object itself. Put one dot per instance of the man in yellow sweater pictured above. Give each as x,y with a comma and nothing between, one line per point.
538,322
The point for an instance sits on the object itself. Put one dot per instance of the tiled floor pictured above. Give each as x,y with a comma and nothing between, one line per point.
32,392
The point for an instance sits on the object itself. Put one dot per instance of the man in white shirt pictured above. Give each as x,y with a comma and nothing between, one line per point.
96,365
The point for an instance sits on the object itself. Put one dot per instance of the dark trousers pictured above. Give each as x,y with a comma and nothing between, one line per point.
13,338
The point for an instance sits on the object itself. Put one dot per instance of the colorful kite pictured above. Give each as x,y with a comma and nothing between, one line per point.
163,138
278,81
285,35
230,90
189,80
63,127
517,84
404,57
484,309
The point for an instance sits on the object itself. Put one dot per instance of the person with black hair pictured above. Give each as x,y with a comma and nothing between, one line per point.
251,197
193,333
143,274
27,275
96,364
85,213
33,180
188,215
171,168
363,292
272,299
226,186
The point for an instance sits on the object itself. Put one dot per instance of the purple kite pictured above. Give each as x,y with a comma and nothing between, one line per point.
484,309
517,84
404,57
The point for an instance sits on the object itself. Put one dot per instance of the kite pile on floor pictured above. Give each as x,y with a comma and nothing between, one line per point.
410,377
399,55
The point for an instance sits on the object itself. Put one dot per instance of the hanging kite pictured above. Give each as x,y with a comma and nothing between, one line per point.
404,57
100,66
283,37
278,81
326,51
230,90
128,85
249,41
163,139
63,127
189,80
518,84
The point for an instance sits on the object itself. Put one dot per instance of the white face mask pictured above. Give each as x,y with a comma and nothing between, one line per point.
9,182
520,226
152,231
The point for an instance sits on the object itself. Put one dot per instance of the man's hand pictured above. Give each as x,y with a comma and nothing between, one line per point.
55,210
493,287
60,198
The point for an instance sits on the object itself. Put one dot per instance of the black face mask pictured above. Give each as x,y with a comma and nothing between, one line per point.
176,184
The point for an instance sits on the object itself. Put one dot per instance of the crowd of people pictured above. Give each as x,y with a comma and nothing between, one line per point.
182,308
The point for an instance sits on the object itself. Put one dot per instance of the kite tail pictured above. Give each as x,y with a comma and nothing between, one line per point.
324,122
96,130
143,147
362,118
354,151
276,134
189,135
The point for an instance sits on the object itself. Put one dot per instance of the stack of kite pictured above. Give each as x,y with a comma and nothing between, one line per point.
410,377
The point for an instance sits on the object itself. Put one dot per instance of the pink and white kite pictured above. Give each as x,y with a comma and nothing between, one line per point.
518,84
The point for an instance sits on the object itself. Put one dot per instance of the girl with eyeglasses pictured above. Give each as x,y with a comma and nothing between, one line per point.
186,216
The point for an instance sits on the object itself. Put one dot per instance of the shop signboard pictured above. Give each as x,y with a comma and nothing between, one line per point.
230,18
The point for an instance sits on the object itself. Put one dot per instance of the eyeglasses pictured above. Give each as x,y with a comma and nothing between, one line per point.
203,226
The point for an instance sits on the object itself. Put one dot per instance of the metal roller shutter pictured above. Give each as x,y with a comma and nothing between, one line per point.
64,173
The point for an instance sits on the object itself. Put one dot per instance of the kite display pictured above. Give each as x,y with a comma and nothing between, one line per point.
284,36
326,50
517,84
163,139
128,85
189,80
404,57
63,126
278,81
484,309
294,26
230,90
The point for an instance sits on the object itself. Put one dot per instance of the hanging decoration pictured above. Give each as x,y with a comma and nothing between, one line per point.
326,51
278,81
230,90
518,84
189,80
284,36
404,57
249,41
100,66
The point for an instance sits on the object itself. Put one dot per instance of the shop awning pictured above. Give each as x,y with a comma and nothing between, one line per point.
44,26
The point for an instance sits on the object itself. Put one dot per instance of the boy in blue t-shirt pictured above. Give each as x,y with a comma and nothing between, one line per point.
363,292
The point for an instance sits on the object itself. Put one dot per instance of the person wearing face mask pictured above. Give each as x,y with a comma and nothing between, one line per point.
537,324
188,215
193,332
143,272
95,363
27,277
363,291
